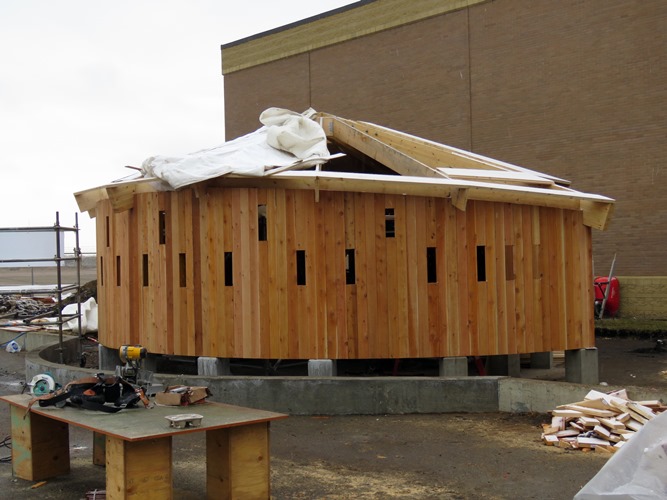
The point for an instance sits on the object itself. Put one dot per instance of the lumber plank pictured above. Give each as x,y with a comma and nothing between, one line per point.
381,326
362,276
349,135
352,328
413,278
402,277
393,270
449,235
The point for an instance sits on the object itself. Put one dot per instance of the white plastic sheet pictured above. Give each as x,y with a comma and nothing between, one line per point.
88,316
638,471
286,139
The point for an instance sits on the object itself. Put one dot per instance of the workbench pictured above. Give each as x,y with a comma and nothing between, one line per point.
137,449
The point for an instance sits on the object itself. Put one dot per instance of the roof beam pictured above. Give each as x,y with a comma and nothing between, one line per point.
439,155
344,133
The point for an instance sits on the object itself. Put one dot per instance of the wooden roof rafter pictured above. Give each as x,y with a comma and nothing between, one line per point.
438,155
345,131
425,168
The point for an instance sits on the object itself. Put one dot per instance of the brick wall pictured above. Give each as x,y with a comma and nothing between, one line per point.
574,88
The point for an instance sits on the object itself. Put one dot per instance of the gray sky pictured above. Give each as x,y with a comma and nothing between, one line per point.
87,87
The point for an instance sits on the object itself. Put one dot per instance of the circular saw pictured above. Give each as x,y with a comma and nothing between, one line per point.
42,384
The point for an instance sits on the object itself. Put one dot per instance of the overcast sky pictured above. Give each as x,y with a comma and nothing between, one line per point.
89,87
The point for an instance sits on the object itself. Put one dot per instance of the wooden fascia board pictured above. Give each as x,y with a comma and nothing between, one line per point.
594,206
401,163
597,214
87,200
332,28
120,194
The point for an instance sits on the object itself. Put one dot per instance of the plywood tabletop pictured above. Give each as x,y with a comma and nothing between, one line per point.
137,424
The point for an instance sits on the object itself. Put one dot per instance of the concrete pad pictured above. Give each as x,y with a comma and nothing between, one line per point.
581,366
321,368
453,366
212,367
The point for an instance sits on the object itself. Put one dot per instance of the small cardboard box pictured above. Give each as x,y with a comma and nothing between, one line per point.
181,395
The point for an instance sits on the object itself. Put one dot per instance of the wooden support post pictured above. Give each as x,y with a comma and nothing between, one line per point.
40,446
99,449
237,462
138,469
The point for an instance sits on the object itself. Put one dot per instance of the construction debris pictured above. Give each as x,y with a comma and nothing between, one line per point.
601,422
15,306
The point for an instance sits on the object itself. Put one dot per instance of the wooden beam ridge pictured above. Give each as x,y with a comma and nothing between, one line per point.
347,134
440,155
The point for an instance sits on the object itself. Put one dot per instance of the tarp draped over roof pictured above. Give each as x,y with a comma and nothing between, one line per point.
287,139
277,154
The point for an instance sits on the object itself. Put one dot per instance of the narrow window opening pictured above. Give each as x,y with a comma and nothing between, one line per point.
509,262
107,230
162,227
389,223
301,267
117,270
481,263
229,269
101,271
182,276
350,271
144,269
261,222
431,265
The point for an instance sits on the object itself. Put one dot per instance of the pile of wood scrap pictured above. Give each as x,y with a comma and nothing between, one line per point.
601,422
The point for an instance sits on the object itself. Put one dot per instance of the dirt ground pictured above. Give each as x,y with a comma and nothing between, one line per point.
450,456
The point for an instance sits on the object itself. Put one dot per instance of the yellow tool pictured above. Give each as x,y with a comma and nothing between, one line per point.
131,354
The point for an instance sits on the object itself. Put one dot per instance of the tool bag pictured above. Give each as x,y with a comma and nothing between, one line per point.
93,393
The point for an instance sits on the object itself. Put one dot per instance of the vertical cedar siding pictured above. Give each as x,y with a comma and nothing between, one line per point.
415,293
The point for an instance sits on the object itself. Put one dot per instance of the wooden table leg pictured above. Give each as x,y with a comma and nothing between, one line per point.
237,463
99,449
139,469
40,446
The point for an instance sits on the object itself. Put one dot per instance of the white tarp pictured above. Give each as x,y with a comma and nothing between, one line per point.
287,139
638,471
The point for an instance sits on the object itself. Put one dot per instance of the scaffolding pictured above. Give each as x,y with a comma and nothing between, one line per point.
58,259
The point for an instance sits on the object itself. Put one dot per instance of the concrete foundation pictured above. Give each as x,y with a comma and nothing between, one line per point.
30,341
213,367
321,368
504,365
453,367
370,396
581,366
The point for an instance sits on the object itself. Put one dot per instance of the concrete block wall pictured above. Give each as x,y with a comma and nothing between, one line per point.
643,297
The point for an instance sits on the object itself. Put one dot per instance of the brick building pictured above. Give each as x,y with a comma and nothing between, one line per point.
574,88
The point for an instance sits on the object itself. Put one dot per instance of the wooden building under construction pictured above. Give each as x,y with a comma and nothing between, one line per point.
399,248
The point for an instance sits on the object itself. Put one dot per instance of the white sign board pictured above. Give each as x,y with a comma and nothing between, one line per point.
29,243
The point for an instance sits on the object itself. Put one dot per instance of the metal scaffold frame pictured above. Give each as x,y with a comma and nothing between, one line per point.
58,259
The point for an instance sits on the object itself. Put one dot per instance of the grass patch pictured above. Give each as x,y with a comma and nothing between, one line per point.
627,327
